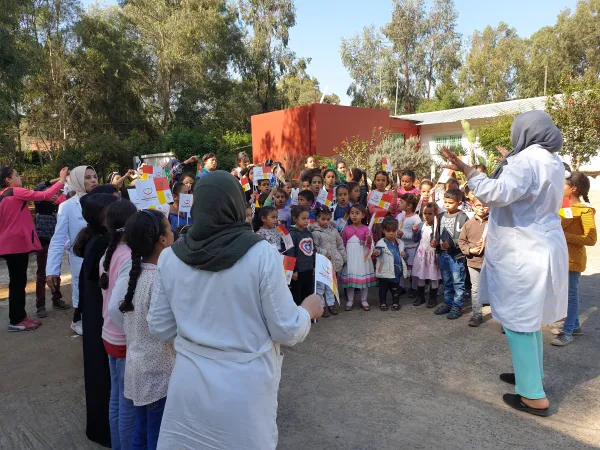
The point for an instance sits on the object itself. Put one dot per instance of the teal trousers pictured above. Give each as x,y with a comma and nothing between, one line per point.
527,352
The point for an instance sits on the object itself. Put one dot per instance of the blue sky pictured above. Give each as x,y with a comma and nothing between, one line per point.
321,24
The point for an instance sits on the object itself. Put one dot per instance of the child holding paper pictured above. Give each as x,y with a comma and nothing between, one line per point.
391,267
408,203
452,264
341,210
358,270
177,219
328,243
381,182
425,265
265,223
580,230
472,244
302,284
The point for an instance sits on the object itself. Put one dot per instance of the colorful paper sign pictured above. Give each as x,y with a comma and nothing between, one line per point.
566,212
285,236
322,197
133,197
382,200
198,168
377,218
289,262
261,173
149,172
385,165
324,273
445,176
294,196
185,203
369,250
245,184
146,194
163,191
330,198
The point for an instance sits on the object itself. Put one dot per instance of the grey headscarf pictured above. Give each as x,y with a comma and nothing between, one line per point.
530,128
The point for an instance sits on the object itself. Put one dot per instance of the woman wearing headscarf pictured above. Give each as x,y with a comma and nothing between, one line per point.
69,222
222,294
18,238
525,272
90,246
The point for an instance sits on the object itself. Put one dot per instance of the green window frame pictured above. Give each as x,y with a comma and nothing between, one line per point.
448,140
398,137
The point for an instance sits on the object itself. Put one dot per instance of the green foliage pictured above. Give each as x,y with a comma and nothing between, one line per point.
577,114
494,133
356,151
402,156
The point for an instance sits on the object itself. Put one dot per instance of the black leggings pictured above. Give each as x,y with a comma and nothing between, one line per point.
17,273
303,286
384,286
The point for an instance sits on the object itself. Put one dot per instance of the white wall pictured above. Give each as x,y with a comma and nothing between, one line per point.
429,133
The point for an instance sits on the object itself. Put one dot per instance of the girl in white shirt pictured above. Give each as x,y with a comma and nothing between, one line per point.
149,360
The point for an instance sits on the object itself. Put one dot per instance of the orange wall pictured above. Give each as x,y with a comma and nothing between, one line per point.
292,134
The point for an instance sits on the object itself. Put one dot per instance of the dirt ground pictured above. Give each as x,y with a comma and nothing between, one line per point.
376,380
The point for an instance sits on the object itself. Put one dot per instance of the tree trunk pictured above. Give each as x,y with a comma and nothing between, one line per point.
407,82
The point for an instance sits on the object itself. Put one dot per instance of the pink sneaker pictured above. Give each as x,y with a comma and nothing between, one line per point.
36,322
23,326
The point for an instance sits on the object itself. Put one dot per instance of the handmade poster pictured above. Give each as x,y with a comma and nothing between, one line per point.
385,165
285,236
566,212
146,194
133,197
325,274
149,172
382,200
163,191
445,176
294,195
185,203
245,184
262,173
289,262
330,198
322,197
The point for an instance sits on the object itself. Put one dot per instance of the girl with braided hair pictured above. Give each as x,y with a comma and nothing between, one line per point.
149,360
121,410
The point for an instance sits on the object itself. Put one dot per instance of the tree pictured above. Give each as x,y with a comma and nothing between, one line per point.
191,45
494,133
297,88
267,57
14,66
370,66
441,44
407,32
576,113
110,77
491,65
402,156
356,150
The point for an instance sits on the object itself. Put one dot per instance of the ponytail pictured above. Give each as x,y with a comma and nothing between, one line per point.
142,232
136,269
116,216
581,182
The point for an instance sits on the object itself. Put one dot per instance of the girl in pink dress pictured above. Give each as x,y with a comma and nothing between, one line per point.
358,271
425,266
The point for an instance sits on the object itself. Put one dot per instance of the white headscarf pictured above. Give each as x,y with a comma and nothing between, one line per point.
76,179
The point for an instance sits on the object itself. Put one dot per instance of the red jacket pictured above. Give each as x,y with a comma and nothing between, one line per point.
17,232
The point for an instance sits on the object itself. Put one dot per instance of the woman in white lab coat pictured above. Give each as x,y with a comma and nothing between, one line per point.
222,294
69,222
525,273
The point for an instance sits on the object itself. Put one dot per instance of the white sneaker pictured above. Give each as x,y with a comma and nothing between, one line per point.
76,327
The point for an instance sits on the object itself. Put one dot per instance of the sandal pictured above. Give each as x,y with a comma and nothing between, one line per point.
366,308
395,307
383,307
349,308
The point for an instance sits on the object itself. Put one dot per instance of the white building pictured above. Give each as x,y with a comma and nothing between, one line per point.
444,127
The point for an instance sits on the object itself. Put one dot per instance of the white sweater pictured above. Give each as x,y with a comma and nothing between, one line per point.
69,222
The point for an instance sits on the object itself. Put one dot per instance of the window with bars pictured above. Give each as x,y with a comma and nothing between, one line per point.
398,137
448,140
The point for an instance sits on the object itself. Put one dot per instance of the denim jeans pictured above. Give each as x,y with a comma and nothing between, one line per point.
453,276
121,412
147,425
572,320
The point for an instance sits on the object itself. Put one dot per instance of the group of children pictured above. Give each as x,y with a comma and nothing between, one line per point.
420,241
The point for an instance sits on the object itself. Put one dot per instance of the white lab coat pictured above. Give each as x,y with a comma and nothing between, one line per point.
228,327
525,271
69,222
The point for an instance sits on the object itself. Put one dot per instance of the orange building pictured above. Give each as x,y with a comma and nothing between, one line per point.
295,133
